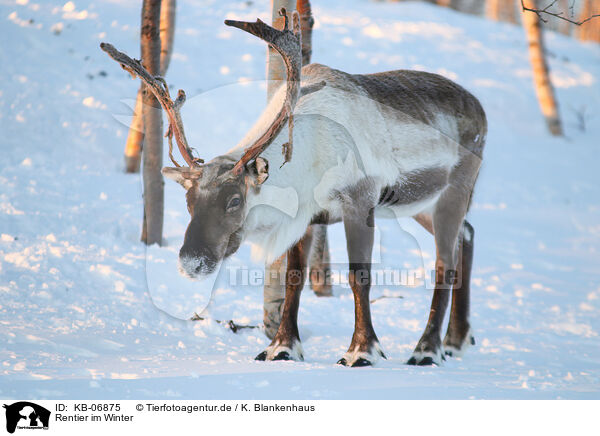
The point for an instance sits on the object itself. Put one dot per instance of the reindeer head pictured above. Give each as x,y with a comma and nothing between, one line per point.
217,202
217,192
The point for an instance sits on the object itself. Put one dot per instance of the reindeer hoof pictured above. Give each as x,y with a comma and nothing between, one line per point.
361,362
357,359
262,356
426,358
282,352
283,355
426,361
456,347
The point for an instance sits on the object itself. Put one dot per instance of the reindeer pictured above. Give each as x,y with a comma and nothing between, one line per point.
405,142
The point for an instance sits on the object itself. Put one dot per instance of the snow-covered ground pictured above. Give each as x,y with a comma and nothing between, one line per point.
87,313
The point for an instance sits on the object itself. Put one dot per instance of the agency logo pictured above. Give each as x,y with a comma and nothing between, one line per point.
26,415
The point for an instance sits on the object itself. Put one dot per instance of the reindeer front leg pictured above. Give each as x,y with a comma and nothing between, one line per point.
286,343
364,349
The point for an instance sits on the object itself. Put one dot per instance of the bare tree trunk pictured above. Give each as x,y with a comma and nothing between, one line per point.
509,11
319,261
501,10
135,137
133,146
273,294
320,273
306,24
493,9
541,78
275,66
474,7
152,118
590,30
275,273
167,33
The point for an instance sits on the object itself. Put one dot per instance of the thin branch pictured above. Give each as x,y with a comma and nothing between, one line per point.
559,15
230,324
382,297
160,89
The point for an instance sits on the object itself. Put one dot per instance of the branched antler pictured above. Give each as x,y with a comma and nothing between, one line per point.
560,15
289,45
159,88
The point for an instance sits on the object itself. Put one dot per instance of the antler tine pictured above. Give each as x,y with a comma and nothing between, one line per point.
161,91
289,45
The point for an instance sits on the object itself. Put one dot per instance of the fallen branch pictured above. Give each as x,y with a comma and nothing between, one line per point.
386,296
230,324
159,88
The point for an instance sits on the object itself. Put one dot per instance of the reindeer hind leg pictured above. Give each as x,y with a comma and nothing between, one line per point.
459,335
447,220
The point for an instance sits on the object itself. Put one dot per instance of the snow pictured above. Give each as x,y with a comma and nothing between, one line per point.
88,312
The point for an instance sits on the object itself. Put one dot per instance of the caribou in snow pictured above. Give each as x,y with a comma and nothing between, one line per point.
352,147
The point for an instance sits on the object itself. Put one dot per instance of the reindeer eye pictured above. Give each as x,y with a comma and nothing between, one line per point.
234,203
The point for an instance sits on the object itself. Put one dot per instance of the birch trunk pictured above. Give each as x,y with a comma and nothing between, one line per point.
509,11
152,119
590,30
306,25
135,137
167,33
501,10
493,9
541,77
275,65
274,290
133,146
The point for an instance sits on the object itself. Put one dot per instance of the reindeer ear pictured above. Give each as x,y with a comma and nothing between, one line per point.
184,176
259,170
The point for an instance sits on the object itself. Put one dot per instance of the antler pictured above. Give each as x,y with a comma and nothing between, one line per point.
159,88
289,45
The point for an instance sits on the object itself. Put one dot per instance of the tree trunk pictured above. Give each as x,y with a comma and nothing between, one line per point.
590,30
274,289
133,146
319,261
152,118
273,295
509,11
319,264
275,65
306,24
501,10
167,33
135,137
474,7
541,78
493,9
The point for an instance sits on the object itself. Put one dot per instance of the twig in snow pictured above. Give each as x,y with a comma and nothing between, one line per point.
230,324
